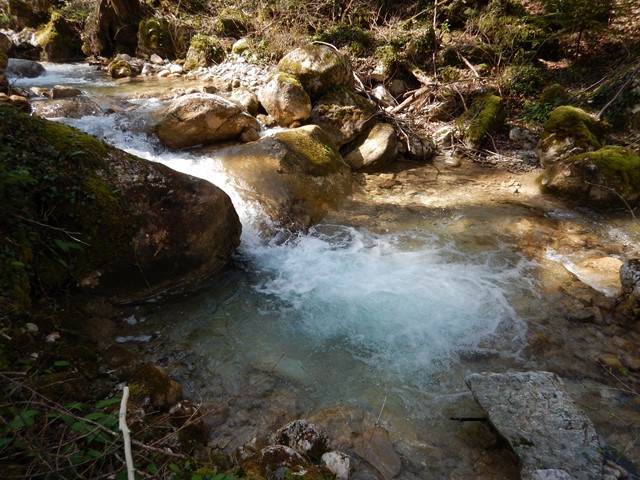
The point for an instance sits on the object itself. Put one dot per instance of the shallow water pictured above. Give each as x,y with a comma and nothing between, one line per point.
381,307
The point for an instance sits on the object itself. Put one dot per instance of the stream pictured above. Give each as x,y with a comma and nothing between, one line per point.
383,309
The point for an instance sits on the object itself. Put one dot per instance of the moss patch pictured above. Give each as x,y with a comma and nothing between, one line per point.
318,150
571,122
204,51
485,116
619,165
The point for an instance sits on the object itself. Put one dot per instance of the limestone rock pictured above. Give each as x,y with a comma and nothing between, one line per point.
203,51
19,68
629,301
285,99
63,91
338,463
375,150
303,437
569,131
319,67
541,422
145,228
297,175
202,118
606,178
375,447
343,114
246,99
120,68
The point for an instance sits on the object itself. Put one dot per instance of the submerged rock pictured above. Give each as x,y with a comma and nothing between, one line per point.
20,68
202,118
541,422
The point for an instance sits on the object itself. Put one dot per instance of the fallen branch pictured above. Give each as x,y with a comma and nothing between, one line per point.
126,434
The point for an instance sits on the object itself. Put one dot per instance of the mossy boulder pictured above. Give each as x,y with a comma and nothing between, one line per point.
285,99
151,385
60,40
154,38
319,67
204,51
605,178
569,131
343,114
120,68
297,175
485,117
202,118
555,95
78,214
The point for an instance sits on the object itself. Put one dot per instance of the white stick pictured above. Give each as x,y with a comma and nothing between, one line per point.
125,433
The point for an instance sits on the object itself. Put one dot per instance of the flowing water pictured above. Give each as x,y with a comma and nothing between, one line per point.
382,308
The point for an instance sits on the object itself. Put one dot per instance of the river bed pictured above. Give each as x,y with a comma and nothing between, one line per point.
386,306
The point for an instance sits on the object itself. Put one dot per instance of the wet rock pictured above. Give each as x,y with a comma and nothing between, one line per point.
66,107
629,300
319,67
297,175
285,99
569,131
343,114
338,463
375,447
303,437
19,68
63,91
374,151
541,422
17,101
202,118
611,361
120,68
417,147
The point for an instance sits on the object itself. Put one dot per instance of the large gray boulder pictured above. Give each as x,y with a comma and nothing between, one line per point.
296,175
375,150
202,118
319,67
285,99
343,114
541,422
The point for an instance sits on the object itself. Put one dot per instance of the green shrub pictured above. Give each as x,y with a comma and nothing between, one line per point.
523,80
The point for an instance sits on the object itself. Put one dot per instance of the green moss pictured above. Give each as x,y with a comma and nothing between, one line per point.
204,51
617,164
60,39
485,116
319,153
154,37
554,95
571,122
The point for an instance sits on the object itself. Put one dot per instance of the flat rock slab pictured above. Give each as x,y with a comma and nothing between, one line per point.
541,422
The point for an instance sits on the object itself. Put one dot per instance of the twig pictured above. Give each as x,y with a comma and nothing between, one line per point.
468,64
40,224
124,428
633,215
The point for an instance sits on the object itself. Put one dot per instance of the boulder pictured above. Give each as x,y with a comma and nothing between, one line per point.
569,131
77,107
19,68
629,301
304,437
202,118
60,40
416,147
606,178
485,116
64,91
120,68
541,422
203,51
338,463
246,99
297,175
285,99
343,114
142,228
375,150
319,67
